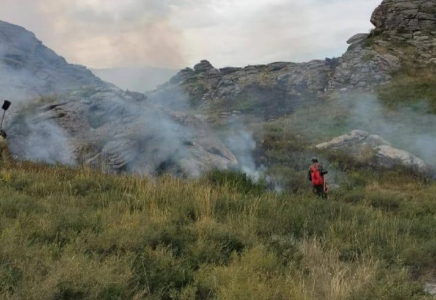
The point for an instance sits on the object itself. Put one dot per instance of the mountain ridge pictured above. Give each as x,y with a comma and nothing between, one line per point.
35,70
371,61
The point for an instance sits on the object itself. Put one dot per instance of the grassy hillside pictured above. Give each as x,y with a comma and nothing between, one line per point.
78,234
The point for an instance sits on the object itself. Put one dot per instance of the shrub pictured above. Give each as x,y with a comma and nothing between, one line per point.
241,182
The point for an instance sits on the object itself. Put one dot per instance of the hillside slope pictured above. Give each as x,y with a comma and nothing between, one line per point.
79,234
63,113
29,69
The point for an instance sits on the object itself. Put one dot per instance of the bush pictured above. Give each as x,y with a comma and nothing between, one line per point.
241,182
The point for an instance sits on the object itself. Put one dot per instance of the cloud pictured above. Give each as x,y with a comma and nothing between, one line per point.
177,33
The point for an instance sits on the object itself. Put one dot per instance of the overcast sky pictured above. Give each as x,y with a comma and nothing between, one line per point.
179,33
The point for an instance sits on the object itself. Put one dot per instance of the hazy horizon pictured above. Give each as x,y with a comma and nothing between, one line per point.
175,34
137,79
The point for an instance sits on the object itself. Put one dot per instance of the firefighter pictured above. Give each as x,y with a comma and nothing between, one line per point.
316,176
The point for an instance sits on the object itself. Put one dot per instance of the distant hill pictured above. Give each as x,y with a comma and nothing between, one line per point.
29,69
136,79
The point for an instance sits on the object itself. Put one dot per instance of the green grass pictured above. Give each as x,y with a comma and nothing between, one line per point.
410,90
78,234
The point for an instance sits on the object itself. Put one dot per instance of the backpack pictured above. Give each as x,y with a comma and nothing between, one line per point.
316,175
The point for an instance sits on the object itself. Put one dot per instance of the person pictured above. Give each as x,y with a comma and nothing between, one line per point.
316,176
4,147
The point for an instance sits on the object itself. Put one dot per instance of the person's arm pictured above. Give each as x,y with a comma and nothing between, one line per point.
322,170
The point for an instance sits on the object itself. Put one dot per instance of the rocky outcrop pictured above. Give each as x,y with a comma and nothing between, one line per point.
405,16
388,157
405,34
108,129
374,150
357,38
266,90
407,24
363,68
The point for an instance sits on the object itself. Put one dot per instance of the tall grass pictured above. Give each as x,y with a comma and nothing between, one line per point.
78,234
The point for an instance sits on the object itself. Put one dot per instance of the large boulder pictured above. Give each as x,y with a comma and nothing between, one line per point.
405,15
374,150
389,157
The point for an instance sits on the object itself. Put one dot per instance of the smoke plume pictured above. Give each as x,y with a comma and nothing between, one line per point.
241,142
408,127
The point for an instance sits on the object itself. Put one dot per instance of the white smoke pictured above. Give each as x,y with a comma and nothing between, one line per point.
242,144
47,142
410,127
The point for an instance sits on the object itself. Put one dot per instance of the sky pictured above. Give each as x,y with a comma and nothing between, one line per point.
179,33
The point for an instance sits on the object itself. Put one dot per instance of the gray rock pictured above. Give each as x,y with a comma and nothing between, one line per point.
404,15
374,150
182,75
357,38
203,66
371,60
389,157
354,142
33,69
116,133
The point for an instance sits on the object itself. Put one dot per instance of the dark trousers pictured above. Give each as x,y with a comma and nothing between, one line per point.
319,191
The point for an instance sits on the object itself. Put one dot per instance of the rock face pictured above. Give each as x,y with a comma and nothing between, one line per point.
362,68
405,33
29,69
405,15
107,129
89,121
274,89
357,38
373,150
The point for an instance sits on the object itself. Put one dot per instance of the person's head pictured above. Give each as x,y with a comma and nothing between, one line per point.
3,133
314,159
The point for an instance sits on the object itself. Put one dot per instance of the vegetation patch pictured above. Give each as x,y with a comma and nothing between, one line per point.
78,234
